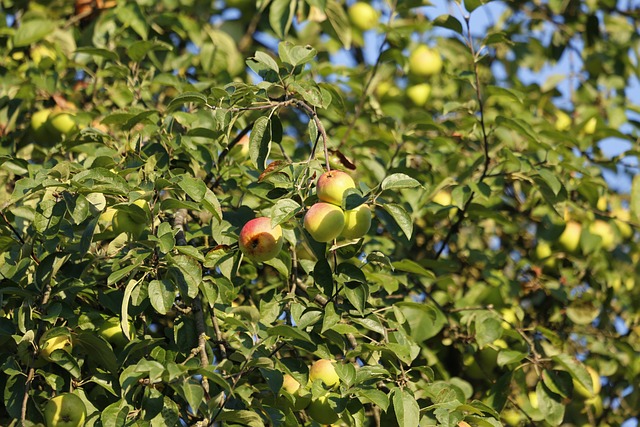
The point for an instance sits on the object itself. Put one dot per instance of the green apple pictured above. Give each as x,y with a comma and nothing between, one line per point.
61,123
240,151
50,343
39,120
419,94
623,216
65,410
512,417
323,370
356,222
132,223
570,237
259,241
424,61
363,16
387,90
605,231
544,253
443,198
563,121
111,330
324,221
301,397
332,185
590,126
595,381
320,410
290,384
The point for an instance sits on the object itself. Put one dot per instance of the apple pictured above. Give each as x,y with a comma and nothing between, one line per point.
50,344
259,241
132,224
323,370
623,216
363,16
570,237
464,424
39,120
324,221
595,380
512,417
65,410
320,410
424,61
356,222
332,185
443,198
387,90
290,384
240,151
563,121
301,397
602,203
605,231
111,330
419,93
590,126
61,123
544,252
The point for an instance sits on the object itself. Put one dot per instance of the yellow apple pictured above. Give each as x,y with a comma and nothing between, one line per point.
590,126
419,93
65,410
563,121
290,384
259,241
443,198
324,221
544,252
363,16
424,61
605,231
570,237
323,370
332,185
356,222
321,411
132,223
49,344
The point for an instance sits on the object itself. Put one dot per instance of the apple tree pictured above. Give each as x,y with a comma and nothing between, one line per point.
478,266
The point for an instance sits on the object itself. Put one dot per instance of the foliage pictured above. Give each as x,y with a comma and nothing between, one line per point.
441,313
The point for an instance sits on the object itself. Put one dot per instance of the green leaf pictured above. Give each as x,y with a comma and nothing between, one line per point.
330,317
575,368
550,404
634,204
267,60
29,32
448,21
551,179
162,295
402,218
397,181
186,98
193,394
194,187
488,328
281,16
140,48
374,396
406,408
115,415
260,143
424,320
339,22
289,332
246,418
410,266
187,273
283,210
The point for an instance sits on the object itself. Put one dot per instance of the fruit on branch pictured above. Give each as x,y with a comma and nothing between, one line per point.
623,216
570,237
356,222
332,185
544,253
605,231
132,222
111,330
324,221
419,93
61,123
301,397
424,61
259,241
39,121
363,16
443,198
240,151
65,410
49,344
320,410
563,121
290,384
323,370
590,126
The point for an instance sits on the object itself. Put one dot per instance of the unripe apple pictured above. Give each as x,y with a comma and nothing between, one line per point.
290,384
603,229
301,397
563,121
570,237
50,344
590,126
443,198
39,119
321,411
419,93
62,123
356,222
363,16
323,370
65,410
595,380
324,221
259,241
111,330
623,216
544,252
132,224
424,61
332,185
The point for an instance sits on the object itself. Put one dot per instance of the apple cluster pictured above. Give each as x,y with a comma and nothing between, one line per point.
50,125
325,220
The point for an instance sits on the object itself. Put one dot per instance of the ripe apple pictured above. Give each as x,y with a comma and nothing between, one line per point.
570,237
301,397
424,61
356,222
132,223
419,93
324,221
111,330
61,123
323,370
332,185
595,380
605,231
290,384
363,16
50,344
259,241
65,410
320,410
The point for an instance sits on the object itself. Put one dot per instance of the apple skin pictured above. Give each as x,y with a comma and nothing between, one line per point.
61,123
290,384
324,222
544,252
424,61
563,121
321,411
302,398
443,198
49,345
622,218
123,222
39,121
240,151
570,237
356,222
419,94
258,241
363,16
65,410
323,370
111,330
605,231
332,185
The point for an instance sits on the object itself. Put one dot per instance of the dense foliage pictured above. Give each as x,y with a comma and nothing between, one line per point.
495,286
